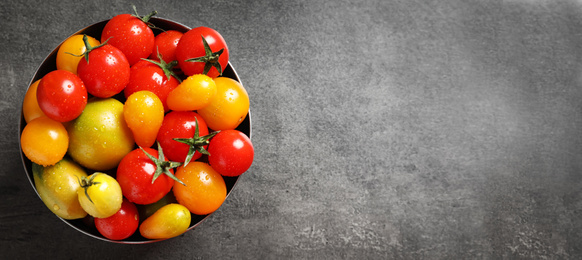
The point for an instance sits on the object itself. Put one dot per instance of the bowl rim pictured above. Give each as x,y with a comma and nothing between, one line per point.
229,70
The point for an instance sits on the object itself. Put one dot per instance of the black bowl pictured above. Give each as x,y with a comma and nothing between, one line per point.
49,64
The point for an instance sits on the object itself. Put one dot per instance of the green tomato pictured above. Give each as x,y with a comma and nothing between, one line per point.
57,186
99,138
100,195
169,221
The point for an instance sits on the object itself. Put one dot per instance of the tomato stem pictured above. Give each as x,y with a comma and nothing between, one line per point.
166,67
145,19
196,143
86,183
162,166
210,59
88,48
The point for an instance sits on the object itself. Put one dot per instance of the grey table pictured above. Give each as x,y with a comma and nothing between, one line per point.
382,129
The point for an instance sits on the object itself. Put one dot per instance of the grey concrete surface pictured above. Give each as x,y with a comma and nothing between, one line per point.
383,130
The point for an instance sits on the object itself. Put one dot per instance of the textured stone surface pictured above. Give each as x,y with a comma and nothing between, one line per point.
383,129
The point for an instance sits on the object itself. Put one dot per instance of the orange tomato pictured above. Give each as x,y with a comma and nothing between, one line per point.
30,107
204,190
193,93
169,221
73,45
44,141
144,112
229,107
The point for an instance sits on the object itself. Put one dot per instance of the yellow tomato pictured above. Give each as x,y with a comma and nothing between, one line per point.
30,107
144,112
229,107
73,45
100,195
193,93
169,221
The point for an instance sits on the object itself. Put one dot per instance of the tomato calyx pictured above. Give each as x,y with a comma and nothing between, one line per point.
166,67
196,143
86,183
210,59
145,19
162,166
88,47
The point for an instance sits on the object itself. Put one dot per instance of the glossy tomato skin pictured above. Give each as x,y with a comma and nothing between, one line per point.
120,225
135,174
195,92
145,75
103,198
169,221
144,112
229,107
44,141
131,35
205,189
61,95
165,44
191,46
180,124
106,73
231,153
30,107
73,45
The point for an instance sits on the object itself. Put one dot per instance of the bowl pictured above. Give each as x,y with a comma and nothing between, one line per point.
49,64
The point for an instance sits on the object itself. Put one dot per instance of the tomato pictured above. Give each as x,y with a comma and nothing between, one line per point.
144,112
100,195
169,221
165,45
120,225
146,75
145,176
229,107
145,211
61,95
44,141
105,71
57,186
30,107
231,153
99,137
130,34
182,124
204,190
71,52
197,57
193,93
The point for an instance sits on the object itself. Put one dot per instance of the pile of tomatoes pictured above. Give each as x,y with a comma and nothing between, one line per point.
136,129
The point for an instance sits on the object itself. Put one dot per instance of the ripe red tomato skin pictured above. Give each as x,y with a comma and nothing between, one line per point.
122,224
130,35
180,124
134,175
165,44
106,73
191,46
231,153
145,75
61,95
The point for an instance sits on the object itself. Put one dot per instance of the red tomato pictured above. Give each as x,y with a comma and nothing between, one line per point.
231,153
212,59
181,124
165,45
143,180
131,34
120,225
106,73
61,95
145,75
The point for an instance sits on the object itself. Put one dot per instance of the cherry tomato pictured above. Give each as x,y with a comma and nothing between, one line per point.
229,107
196,58
70,52
195,92
165,45
57,186
105,72
30,107
204,190
145,75
180,124
144,112
143,180
44,141
61,95
231,153
120,225
130,34
169,221
100,195
99,137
